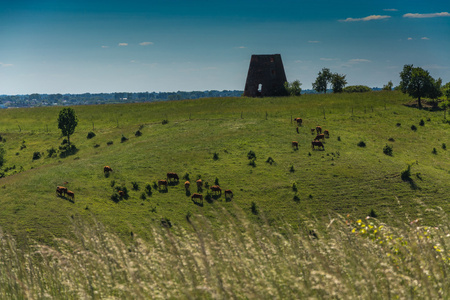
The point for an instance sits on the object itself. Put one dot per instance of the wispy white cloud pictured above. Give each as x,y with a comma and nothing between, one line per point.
146,43
241,47
421,16
425,38
5,65
359,60
390,9
123,44
368,18
313,42
327,59
104,47
410,39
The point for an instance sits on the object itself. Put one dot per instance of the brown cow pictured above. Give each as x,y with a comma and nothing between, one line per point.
71,194
326,133
320,137
228,194
187,185
60,190
317,143
199,184
196,196
318,129
162,182
107,169
172,175
121,193
299,121
295,145
216,189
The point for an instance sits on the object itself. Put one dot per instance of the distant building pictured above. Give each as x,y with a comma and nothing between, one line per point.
265,76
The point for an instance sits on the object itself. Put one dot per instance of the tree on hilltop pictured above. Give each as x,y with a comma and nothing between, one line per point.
322,80
338,82
67,121
418,83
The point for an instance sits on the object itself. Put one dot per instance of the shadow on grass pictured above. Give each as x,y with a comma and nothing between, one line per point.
66,198
188,193
198,203
67,150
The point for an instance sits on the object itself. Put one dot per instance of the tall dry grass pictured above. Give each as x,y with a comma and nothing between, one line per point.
346,259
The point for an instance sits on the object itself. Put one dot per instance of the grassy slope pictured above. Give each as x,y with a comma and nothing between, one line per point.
344,178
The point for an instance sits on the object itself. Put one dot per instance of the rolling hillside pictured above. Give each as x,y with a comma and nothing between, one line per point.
210,138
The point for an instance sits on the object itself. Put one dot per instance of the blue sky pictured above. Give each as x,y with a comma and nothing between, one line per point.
51,46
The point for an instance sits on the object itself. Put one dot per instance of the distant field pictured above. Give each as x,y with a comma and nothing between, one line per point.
344,178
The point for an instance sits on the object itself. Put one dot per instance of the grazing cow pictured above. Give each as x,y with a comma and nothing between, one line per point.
107,169
173,176
163,183
317,143
187,184
196,196
71,194
318,129
228,194
326,133
216,189
320,137
295,145
60,190
299,121
313,130
199,184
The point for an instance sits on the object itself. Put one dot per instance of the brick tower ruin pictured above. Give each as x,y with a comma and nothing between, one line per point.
265,76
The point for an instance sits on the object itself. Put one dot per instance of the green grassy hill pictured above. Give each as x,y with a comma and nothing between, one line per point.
344,178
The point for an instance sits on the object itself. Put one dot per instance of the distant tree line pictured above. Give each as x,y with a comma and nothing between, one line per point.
33,100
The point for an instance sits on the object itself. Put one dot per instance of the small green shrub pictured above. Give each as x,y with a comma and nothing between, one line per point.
186,176
294,187
96,145
391,140
251,155
357,89
164,122
51,152
444,146
148,189
339,138
90,135
123,139
398,124
362,144
434,151
109,143
138,133
254,208
113,183
388,150
413,128
143,196
115,197
373,214
216,156
296,198
36,155
252,163
270,160
422,123
291,169
135,186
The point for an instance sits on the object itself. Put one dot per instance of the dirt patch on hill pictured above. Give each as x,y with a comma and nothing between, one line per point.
426,104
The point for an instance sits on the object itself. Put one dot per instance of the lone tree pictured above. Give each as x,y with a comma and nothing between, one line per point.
322,80
418,83
67,121
338,82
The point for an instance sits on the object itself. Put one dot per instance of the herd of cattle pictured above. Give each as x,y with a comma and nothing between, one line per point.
171,177
215,189
319,136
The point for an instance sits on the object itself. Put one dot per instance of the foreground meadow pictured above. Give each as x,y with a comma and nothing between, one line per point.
349,259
